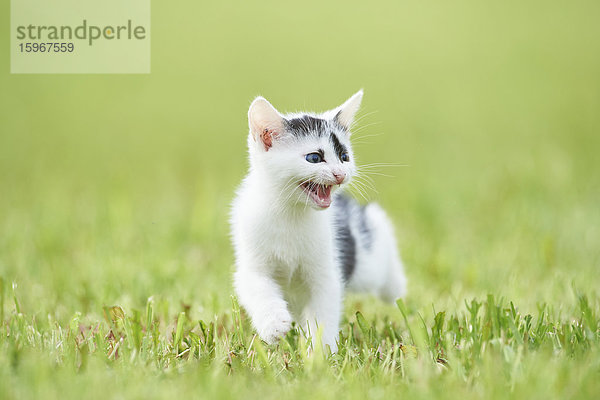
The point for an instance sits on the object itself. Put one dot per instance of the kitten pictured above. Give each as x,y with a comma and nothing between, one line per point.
299,241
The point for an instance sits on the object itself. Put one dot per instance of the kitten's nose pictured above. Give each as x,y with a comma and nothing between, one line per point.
339,177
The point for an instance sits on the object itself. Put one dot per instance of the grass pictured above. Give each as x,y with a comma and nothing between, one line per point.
115,257
489,347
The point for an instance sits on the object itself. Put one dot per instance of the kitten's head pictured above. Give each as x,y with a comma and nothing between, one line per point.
305,156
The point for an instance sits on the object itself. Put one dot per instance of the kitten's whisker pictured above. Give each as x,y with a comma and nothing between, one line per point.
290,185
383,165
381,174
311,185
355,189
358,119
360,191
366,183
294,189
359,187
309,179
361,172
285,187
363,127
367,180
354,138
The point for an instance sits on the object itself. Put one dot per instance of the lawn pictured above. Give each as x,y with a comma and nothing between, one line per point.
115,257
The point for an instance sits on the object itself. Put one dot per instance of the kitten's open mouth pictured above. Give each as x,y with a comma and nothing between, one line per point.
320,194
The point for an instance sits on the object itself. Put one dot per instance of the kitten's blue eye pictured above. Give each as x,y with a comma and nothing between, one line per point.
314,158
345,157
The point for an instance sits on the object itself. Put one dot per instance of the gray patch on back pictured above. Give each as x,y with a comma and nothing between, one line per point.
352,229
346,245
364,228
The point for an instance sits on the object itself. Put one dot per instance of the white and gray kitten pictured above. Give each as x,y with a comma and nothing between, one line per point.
298,241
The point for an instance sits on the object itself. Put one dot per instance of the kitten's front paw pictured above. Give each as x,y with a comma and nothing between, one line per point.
275,326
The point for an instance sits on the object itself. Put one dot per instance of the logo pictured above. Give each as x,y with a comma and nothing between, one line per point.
80,36
84,31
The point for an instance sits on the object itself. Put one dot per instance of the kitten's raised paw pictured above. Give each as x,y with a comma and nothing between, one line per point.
275,327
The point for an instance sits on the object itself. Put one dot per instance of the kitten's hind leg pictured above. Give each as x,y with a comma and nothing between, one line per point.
394,286
262,298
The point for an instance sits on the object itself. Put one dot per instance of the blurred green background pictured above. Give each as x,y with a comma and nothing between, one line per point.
114,188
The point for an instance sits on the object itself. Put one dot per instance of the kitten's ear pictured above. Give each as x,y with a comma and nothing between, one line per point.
346,111
265,122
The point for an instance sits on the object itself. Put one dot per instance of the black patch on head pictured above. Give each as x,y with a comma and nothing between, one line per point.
306,125
346,244
337,146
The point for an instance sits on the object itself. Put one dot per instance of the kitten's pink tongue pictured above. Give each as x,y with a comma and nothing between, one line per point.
323,196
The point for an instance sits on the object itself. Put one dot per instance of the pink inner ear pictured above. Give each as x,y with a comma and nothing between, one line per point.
267,138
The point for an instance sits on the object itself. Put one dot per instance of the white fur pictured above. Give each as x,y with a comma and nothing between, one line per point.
287,268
